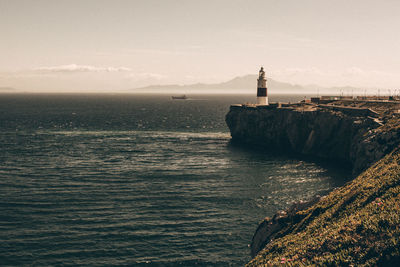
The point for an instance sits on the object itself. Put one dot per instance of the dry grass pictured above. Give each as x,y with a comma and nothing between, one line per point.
357,224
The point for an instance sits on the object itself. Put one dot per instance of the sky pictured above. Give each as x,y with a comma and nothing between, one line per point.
117,45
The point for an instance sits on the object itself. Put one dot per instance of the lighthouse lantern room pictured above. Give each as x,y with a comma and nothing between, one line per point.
262,96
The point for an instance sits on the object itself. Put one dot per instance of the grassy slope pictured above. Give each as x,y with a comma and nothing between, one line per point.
357,224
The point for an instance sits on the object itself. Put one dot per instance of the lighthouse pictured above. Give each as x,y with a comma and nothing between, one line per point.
262,96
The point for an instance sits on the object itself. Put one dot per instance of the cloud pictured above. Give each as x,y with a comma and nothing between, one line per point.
354,71
145,76
74,68
299,72
353,76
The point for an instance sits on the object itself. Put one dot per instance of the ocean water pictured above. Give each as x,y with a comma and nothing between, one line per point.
101,180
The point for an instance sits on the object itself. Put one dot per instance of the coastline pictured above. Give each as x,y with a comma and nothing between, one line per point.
354,224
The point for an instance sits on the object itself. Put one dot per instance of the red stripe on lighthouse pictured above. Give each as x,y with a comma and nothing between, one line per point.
261,91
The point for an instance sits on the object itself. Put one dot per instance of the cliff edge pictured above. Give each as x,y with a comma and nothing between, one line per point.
357,136
357,224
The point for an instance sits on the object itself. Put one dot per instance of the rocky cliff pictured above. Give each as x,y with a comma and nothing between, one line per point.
326,133
357,224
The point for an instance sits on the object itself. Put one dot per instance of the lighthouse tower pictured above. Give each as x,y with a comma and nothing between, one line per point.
262,96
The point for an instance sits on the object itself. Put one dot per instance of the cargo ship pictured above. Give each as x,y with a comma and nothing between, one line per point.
181,97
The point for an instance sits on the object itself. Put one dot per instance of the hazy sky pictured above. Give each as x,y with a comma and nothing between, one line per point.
114,45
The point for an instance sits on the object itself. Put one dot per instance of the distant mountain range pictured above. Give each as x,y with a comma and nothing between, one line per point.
246,84
240,85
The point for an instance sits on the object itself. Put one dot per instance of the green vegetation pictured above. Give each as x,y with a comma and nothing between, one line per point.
355,225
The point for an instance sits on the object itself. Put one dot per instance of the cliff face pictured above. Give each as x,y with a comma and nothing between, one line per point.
355,225
322,133
271,228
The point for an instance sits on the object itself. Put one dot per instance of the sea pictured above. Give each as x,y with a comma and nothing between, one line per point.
138,180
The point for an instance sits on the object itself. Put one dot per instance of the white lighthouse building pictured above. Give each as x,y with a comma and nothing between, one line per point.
262,96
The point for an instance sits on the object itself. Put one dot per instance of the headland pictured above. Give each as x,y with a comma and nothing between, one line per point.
357,224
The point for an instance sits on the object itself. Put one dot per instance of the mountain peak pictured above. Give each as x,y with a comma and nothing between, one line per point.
239,84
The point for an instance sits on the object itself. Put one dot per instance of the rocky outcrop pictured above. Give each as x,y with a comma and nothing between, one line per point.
280,223
325,133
